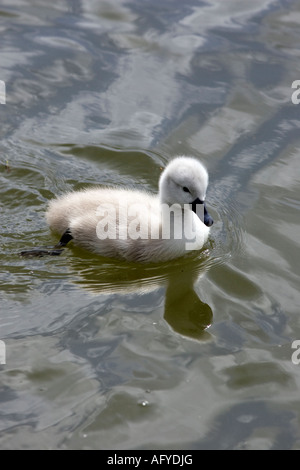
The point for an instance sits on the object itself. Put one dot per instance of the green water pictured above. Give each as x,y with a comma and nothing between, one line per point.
191,354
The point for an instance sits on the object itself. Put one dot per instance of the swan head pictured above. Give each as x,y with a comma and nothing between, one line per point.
185,181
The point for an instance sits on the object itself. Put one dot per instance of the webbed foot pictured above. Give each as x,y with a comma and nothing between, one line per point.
49,251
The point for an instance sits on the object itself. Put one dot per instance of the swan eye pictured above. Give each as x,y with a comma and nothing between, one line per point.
185,189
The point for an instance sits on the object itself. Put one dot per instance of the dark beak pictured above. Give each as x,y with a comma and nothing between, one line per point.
207,220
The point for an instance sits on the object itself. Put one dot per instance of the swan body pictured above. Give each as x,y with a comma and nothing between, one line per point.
136,225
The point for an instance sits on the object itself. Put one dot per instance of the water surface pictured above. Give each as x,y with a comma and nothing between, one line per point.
191,354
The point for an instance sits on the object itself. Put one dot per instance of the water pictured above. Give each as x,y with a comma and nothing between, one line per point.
191,354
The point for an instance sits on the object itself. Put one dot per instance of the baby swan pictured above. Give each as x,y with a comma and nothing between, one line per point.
135,225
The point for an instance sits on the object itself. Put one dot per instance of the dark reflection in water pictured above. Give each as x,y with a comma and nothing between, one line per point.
183,310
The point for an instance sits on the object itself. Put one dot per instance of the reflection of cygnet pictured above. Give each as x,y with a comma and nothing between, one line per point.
135,225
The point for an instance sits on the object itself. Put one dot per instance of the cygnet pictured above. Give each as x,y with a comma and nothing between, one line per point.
136,225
